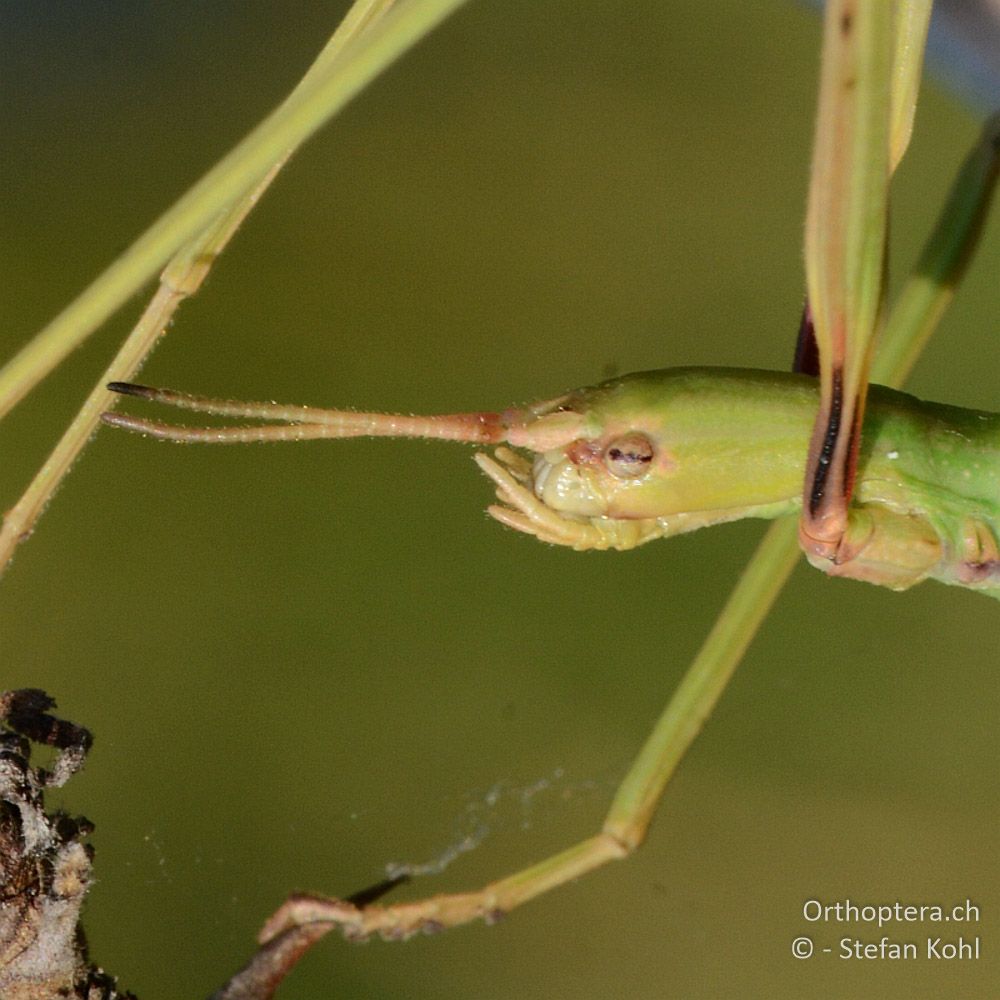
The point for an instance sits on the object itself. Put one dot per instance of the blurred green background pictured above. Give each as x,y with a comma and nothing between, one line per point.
304,662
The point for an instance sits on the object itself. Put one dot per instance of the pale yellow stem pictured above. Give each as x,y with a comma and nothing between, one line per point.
182,277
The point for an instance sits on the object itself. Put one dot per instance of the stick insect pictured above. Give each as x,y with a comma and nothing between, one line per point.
910,497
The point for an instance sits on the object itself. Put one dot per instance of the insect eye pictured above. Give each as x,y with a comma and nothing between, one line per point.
628,457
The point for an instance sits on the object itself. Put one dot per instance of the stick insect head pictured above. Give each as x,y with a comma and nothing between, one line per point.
589,479
595,474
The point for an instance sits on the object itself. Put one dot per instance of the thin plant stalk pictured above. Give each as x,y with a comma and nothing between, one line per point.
332,86
180,279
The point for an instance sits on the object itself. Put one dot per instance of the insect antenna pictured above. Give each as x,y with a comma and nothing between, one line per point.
298,423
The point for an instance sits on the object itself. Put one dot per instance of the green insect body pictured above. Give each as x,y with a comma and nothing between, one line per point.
727,444
659,453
